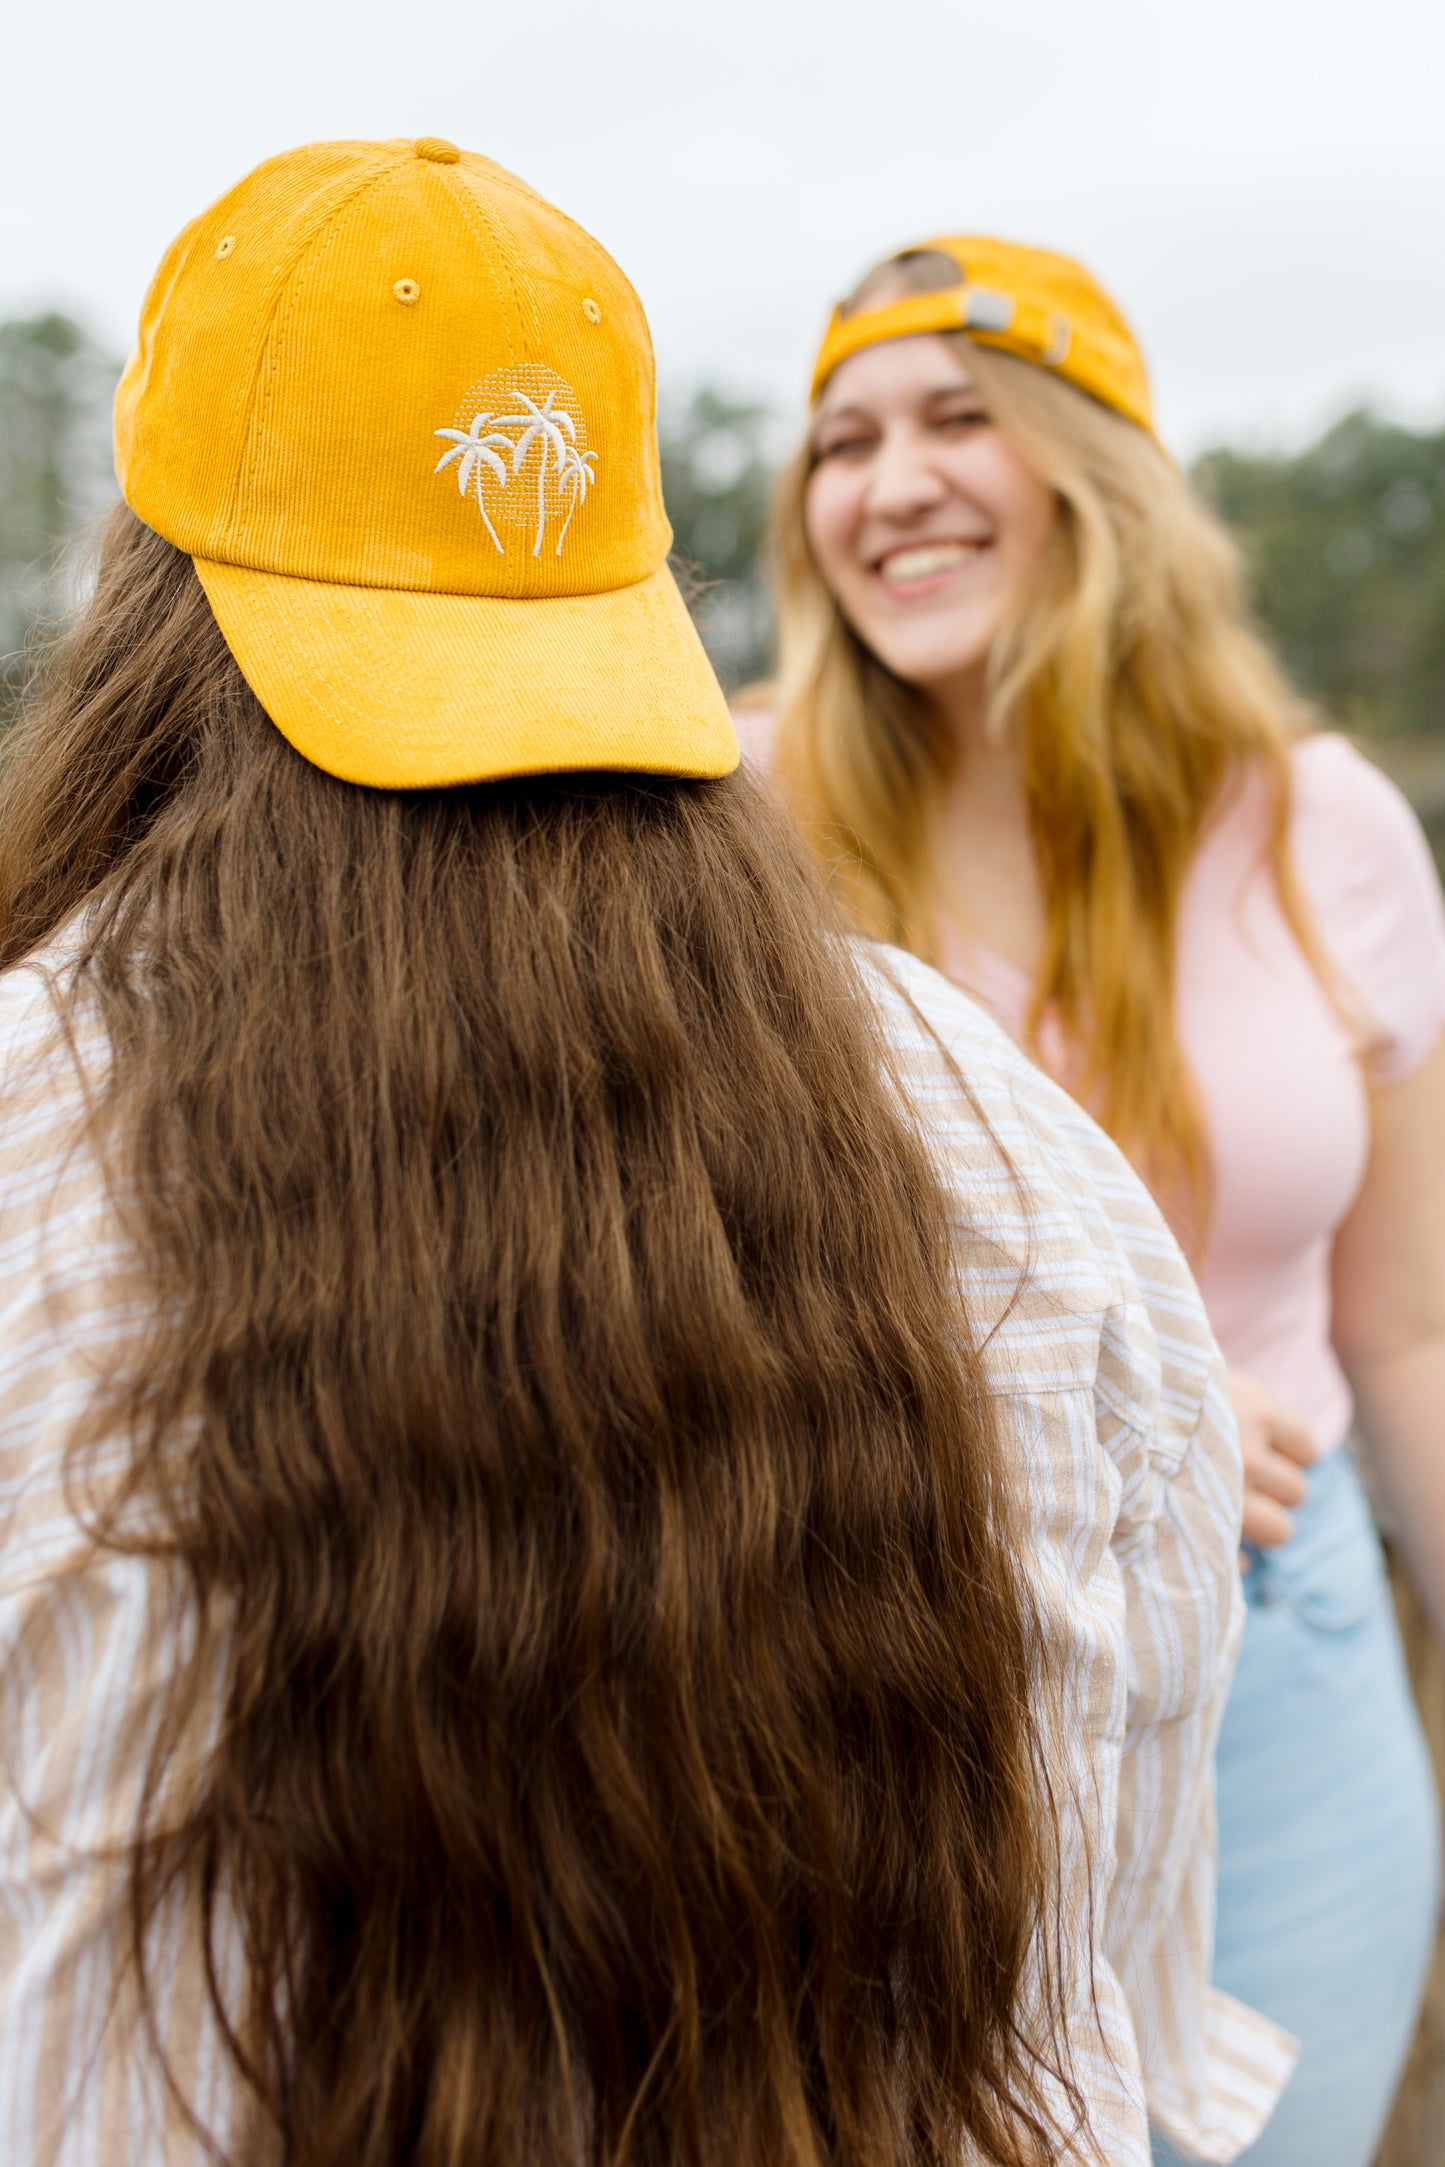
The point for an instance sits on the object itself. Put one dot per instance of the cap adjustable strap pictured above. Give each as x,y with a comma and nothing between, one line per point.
995,318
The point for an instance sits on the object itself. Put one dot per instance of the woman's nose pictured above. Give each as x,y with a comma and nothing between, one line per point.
903,479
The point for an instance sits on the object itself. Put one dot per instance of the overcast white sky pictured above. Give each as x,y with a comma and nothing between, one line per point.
1262,182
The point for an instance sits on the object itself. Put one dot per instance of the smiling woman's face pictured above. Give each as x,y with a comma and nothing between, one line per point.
924,521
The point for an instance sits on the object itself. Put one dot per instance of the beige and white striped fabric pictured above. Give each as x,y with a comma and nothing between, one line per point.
1096,1337
1113,1395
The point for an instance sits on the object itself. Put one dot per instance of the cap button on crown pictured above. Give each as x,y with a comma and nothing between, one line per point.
437,149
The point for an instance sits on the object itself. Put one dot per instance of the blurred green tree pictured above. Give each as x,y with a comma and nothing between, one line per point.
1346,547
56,387
716,472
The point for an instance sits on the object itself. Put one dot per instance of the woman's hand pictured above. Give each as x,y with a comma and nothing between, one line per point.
1275,1448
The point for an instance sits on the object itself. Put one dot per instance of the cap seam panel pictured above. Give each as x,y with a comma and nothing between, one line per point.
246,389
444,177
257,389
498,176
579,230
484,229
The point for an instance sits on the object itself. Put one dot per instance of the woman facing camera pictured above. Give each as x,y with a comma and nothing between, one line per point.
1027,728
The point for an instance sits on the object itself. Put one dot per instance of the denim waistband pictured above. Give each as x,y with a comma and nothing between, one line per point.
1330,1572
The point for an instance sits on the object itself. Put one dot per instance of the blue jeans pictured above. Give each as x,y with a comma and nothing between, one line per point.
1329,1839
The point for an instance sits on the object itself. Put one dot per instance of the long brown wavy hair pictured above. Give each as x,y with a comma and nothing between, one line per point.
1139,693
555,1380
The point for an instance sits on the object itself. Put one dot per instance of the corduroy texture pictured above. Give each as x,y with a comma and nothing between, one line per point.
368,679
413,607
1025,301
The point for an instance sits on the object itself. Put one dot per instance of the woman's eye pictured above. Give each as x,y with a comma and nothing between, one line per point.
970,417
842,447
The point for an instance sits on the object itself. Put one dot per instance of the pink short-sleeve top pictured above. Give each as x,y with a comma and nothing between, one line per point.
1282,1070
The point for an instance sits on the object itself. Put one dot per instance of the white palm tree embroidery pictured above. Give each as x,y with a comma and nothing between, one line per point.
496,443
552,429
574,478
473,451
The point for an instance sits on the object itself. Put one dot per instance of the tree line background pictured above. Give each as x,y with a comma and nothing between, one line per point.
1345,541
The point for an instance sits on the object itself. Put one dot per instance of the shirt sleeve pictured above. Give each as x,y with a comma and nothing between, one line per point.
757,729
1213,2069
1097,1346
87,1639
1370,882
1034,1296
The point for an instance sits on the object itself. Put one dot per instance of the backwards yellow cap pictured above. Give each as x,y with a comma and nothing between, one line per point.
400,411
1024,301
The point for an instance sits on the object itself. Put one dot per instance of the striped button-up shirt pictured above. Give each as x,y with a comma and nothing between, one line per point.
1113,1405
1116,1406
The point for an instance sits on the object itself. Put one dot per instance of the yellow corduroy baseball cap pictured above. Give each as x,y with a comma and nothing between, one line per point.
1025,301
401,412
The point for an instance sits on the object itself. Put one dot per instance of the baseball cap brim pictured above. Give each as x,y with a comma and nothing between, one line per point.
405,690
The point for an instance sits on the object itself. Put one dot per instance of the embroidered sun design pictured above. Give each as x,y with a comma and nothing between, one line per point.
519,444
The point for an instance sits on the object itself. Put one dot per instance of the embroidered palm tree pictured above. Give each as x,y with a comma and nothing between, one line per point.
497,442
552,429
473,452
574,478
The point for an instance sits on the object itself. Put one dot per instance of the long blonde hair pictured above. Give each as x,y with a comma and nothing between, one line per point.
1139,692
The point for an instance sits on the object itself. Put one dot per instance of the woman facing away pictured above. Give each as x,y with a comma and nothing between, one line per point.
1025,724
599,1556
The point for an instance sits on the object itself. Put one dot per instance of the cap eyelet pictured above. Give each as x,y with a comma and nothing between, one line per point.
407,291
224,247
591,311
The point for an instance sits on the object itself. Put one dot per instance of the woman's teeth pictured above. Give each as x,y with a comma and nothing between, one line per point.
928,559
